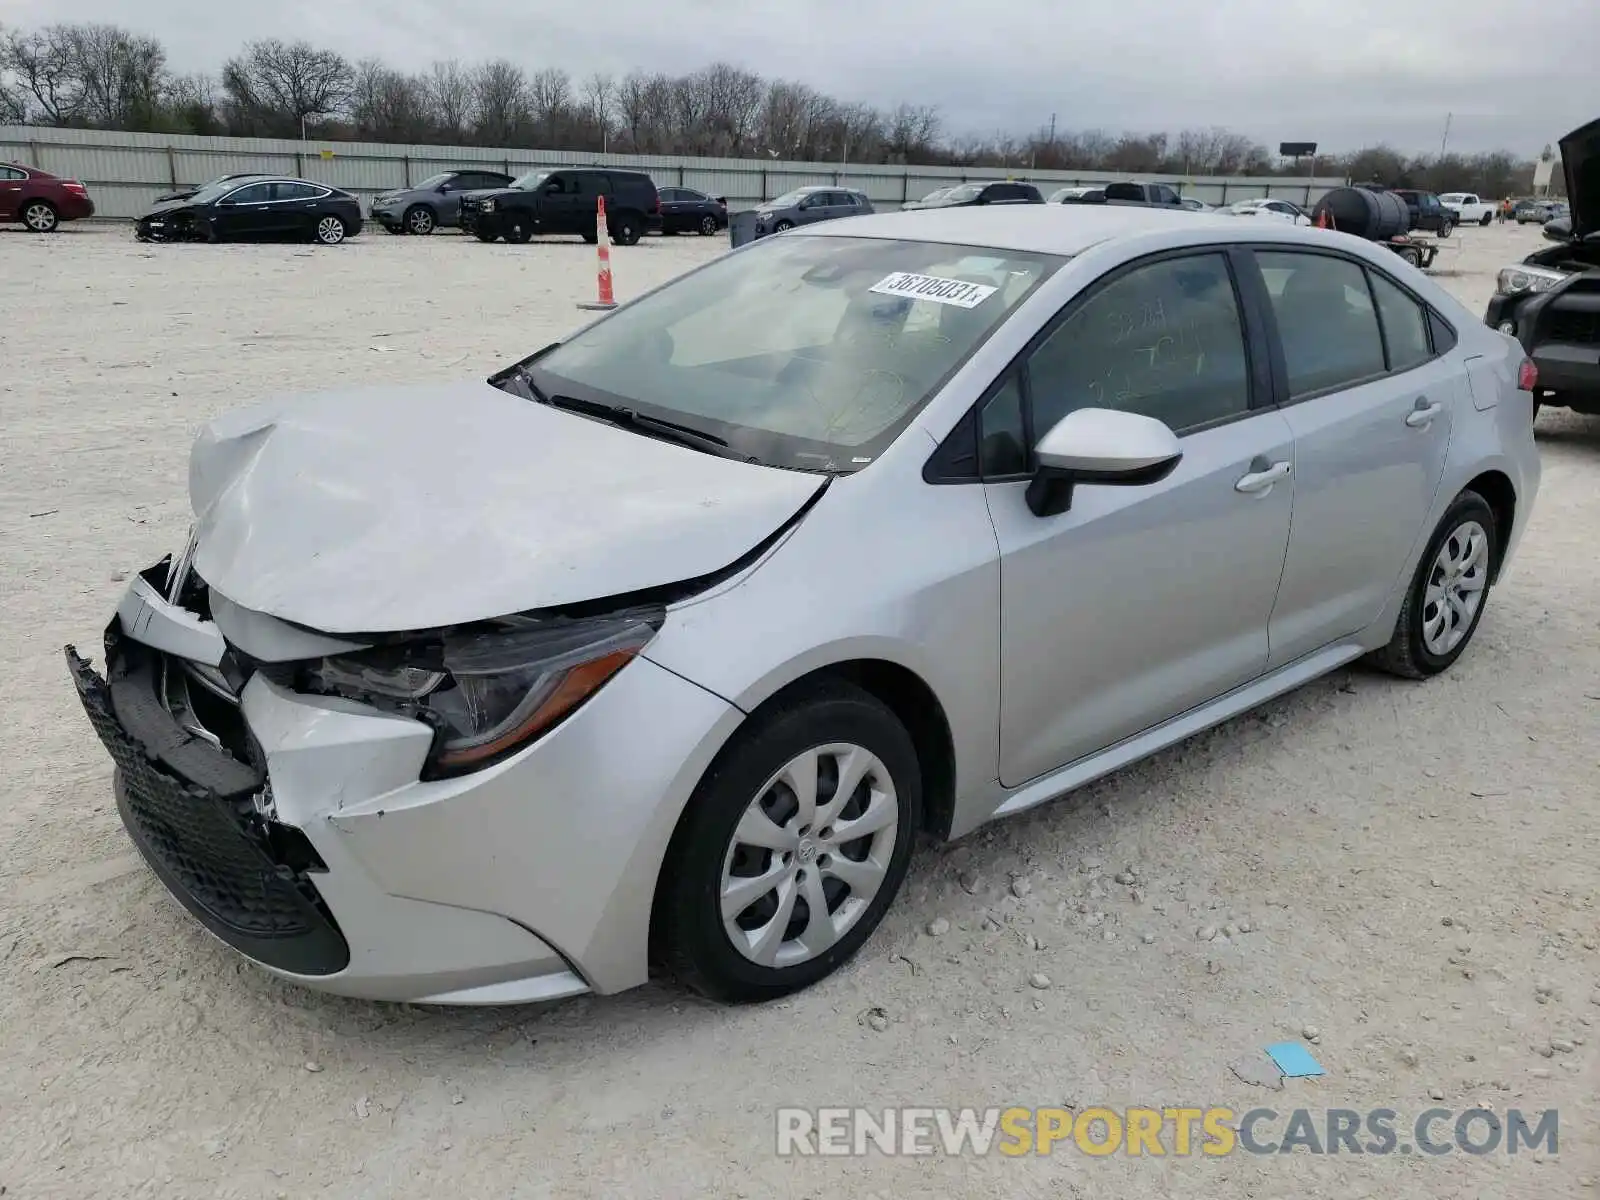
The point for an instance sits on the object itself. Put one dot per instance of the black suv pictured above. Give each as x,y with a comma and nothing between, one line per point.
564,200
1426,211
1550,301
987,193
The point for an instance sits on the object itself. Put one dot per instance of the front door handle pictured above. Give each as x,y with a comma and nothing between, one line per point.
1423,414
1262,476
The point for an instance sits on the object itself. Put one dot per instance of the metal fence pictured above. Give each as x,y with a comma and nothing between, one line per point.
126,171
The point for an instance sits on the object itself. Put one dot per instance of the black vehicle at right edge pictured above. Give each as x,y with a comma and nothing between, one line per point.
1550,302
563,200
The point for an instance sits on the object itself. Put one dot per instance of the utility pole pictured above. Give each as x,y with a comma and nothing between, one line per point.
1445,141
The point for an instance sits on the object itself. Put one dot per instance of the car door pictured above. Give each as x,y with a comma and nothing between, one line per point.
1370,406
12,180
558,205
447,201
677,209
245,212
1138,602
293,208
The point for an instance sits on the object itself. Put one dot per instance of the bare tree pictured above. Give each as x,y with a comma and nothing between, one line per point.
599,98
120,76
281,85
42,65
388,106
501,111
450,96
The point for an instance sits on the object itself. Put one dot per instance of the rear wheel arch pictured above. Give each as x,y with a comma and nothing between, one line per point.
1497,489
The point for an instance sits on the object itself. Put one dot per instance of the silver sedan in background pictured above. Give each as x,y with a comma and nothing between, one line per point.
663,645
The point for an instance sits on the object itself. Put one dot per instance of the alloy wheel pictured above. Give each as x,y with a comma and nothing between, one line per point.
708,226
808,855
40,218
1455,588
330,231
421,222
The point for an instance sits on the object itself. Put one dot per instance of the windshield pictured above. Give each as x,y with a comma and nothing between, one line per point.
935,194
788,199
433,181
966,191
217,187
808,352
530,181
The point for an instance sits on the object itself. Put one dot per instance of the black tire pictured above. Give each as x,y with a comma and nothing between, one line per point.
519,235
690,939
782,225
708,226
420,220
485,237
1406,654
397,230
324,234
1446,228
626,230
1411,255
1487,218
40,216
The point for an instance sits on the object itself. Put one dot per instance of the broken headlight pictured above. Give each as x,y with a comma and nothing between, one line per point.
1514,281
488,692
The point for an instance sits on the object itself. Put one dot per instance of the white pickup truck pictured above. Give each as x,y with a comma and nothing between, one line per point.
1468,208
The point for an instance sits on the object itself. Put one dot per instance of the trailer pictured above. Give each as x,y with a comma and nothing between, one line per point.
1415,251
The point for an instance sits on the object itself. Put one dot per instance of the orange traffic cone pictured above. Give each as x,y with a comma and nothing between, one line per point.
606,300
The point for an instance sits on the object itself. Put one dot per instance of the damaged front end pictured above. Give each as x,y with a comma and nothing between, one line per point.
191,783
172,225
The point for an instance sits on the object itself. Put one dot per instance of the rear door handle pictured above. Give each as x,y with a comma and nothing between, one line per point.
1263,476
1422,416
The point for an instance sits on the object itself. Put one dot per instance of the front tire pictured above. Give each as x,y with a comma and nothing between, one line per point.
792,848
40,216
420,220
1448,593
782,226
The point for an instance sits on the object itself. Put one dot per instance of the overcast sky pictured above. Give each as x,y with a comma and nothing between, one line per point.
1344,73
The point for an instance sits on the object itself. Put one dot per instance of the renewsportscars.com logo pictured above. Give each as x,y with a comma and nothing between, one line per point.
1159,1132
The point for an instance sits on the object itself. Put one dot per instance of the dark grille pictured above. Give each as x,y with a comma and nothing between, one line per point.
1565,325
195,842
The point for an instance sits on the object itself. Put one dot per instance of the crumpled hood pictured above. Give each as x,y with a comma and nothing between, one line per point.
392,509
1580,162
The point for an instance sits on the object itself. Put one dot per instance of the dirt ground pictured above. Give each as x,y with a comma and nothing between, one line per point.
1419,865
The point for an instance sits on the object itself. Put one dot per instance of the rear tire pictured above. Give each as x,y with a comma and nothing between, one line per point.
1411,255
1446,228
1439,591
1487,218
627,230
40,216
747,821
708,226
329,231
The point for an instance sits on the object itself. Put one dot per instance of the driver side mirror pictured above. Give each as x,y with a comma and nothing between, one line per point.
1099,445
1558,229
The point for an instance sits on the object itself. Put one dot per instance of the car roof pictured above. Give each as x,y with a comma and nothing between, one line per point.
1042,228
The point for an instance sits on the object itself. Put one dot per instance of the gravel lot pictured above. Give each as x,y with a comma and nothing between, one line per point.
1419,865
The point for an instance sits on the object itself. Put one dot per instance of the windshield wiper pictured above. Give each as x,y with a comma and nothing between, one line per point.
667,431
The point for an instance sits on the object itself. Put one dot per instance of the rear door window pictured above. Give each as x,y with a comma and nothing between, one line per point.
255,193
594,184
295,191
1326,320
1405,324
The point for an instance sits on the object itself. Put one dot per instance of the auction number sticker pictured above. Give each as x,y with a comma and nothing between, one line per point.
932,287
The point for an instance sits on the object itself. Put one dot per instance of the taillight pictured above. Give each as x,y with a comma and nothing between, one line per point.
1527,376
76,188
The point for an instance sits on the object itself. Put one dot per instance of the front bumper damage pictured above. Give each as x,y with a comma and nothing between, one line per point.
296,827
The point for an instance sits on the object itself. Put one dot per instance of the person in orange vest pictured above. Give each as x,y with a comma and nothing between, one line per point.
1505,210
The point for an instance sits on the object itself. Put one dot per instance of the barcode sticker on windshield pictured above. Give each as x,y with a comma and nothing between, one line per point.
932,287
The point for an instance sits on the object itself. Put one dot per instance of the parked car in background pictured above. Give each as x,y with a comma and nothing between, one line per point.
40,200
1272,207
1125,194
807,206
1427,213
1069,195
1550,302
435,203
255,207
999,192
1535,212
493,692
1468,208
932,196
685,210
184,193
1194,205
565,200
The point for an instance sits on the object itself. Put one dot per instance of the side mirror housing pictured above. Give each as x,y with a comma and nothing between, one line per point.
1099,445
1558,229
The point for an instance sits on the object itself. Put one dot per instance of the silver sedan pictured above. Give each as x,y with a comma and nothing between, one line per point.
662,646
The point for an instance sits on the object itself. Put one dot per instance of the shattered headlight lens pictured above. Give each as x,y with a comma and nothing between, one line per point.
486,205
1515,281
488,692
